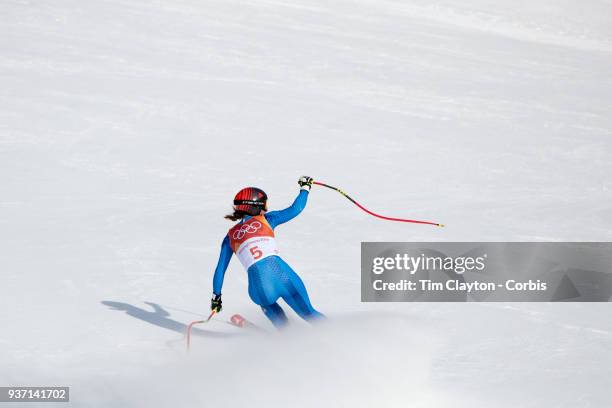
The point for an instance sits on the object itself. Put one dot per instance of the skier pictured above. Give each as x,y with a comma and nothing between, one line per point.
253,241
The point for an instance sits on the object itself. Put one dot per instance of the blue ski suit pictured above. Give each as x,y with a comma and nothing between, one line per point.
270,277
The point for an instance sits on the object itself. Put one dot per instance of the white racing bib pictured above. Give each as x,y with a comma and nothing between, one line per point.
255,249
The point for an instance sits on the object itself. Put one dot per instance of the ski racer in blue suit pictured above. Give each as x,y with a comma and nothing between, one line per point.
252,239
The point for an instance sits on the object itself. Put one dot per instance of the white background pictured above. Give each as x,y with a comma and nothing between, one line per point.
127,126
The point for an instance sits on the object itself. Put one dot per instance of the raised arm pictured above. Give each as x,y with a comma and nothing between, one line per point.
276,218
282,216
224,258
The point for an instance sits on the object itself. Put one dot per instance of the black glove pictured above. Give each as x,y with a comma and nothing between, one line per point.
305,182
215,303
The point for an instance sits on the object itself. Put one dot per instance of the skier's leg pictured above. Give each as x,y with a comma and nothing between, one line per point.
297,299
264,292
261,287
276,315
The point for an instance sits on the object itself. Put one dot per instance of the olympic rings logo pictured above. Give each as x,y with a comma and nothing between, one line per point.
246,229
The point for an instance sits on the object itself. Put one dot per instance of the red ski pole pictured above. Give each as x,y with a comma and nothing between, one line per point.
373,213
190,326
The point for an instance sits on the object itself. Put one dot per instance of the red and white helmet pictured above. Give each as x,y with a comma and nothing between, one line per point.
251,200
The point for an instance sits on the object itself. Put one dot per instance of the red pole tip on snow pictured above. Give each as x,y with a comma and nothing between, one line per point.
189,332
190,326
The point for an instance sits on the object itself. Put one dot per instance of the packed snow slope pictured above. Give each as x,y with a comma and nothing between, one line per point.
126,127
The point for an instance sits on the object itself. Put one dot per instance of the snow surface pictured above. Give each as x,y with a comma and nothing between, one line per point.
126,126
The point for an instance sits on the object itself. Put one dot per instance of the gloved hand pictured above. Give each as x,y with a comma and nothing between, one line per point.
305,182
215,303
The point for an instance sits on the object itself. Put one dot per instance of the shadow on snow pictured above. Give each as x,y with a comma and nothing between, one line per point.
160,318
